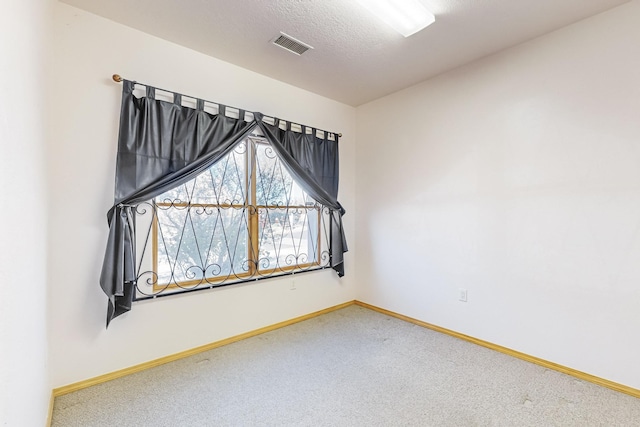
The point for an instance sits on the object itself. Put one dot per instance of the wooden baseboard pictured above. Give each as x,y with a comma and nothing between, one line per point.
161,361
50,414
536,360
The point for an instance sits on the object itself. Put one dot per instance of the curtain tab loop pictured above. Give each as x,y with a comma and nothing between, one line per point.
177,99
199,104
128,86
222,110
241,115
151,92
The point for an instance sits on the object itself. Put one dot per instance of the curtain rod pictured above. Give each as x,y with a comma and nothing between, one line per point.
118,79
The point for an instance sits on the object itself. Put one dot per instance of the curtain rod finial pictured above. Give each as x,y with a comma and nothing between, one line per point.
116,78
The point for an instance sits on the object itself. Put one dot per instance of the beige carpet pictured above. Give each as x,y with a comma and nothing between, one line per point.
351,367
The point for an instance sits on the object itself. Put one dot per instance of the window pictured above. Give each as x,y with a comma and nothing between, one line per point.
245,218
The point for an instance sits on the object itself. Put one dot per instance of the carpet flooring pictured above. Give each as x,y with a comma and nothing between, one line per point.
350,367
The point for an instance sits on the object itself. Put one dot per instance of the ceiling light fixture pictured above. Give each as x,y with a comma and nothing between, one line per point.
405,16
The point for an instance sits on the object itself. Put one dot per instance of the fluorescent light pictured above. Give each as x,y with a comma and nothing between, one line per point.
405,16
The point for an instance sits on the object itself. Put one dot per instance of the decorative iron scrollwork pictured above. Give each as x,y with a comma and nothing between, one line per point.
243,220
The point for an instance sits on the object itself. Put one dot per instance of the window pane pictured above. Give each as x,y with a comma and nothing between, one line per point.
202,230
274,185
288,237
224,183
199,243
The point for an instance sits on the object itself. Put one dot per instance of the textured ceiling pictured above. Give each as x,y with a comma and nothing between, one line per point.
356,58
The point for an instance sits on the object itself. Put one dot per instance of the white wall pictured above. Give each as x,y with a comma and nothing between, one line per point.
516,177
88,50
24,381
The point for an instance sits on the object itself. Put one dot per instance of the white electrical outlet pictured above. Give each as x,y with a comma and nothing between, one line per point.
462,295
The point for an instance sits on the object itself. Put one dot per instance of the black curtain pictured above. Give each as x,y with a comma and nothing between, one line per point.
313,163
162,145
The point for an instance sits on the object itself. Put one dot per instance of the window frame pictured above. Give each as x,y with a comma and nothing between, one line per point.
252,228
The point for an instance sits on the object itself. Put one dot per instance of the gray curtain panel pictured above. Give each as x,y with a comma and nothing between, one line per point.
163,144
313,163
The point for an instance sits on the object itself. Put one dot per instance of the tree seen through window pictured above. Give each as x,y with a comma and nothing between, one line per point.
245,217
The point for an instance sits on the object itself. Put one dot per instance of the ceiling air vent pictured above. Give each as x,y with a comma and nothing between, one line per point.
292,45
